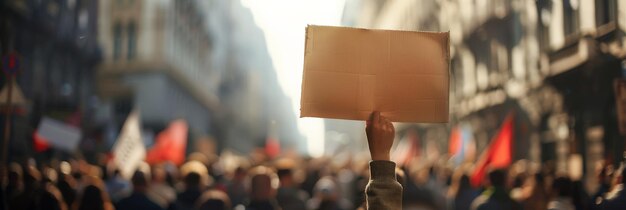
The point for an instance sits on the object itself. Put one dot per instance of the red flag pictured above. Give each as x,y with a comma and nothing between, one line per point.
498,154
39,143
272,144
170,144
455,141
272,147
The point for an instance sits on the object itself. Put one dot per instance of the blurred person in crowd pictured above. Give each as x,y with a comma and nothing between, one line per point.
605,174
616,198
196,179
93,197
326,196
49,175
160,192
138,199
580,197
461,192
187,198
360,182
519,190
51,199
32,190
313,174
67,185
289,196
116,186
436,184
383,190
15,185
235,188
418,192
262,189
496,195
346,182
538,199
213,200
562,195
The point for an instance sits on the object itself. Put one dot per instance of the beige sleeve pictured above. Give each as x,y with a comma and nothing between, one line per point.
383,191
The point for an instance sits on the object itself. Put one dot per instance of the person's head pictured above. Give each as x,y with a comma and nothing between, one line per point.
92,198
326,189
213,200
195,175
286,177
497,177
192,180
285,168
562,186
140,181
15,174
263,183
240,174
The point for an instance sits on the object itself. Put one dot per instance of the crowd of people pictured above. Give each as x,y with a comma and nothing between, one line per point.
290,182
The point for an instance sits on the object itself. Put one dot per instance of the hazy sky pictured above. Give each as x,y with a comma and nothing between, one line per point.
284,22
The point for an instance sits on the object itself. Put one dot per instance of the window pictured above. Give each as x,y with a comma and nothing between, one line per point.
605,11
570,16
544,9
132,41
117,41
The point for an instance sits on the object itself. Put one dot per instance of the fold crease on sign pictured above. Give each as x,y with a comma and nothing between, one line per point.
349,73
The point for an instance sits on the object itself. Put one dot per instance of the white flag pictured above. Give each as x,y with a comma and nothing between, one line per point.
58,134
129,150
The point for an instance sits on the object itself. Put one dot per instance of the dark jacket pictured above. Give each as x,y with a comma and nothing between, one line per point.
137,201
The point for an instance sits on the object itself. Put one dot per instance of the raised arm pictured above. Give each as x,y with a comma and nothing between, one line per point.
383,191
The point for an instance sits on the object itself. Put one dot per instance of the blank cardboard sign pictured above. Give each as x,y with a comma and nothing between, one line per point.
349,72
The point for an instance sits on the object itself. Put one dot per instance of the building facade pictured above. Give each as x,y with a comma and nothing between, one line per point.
156,59
203,61
549,63
57,53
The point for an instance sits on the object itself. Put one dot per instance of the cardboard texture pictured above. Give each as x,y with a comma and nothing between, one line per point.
349,73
